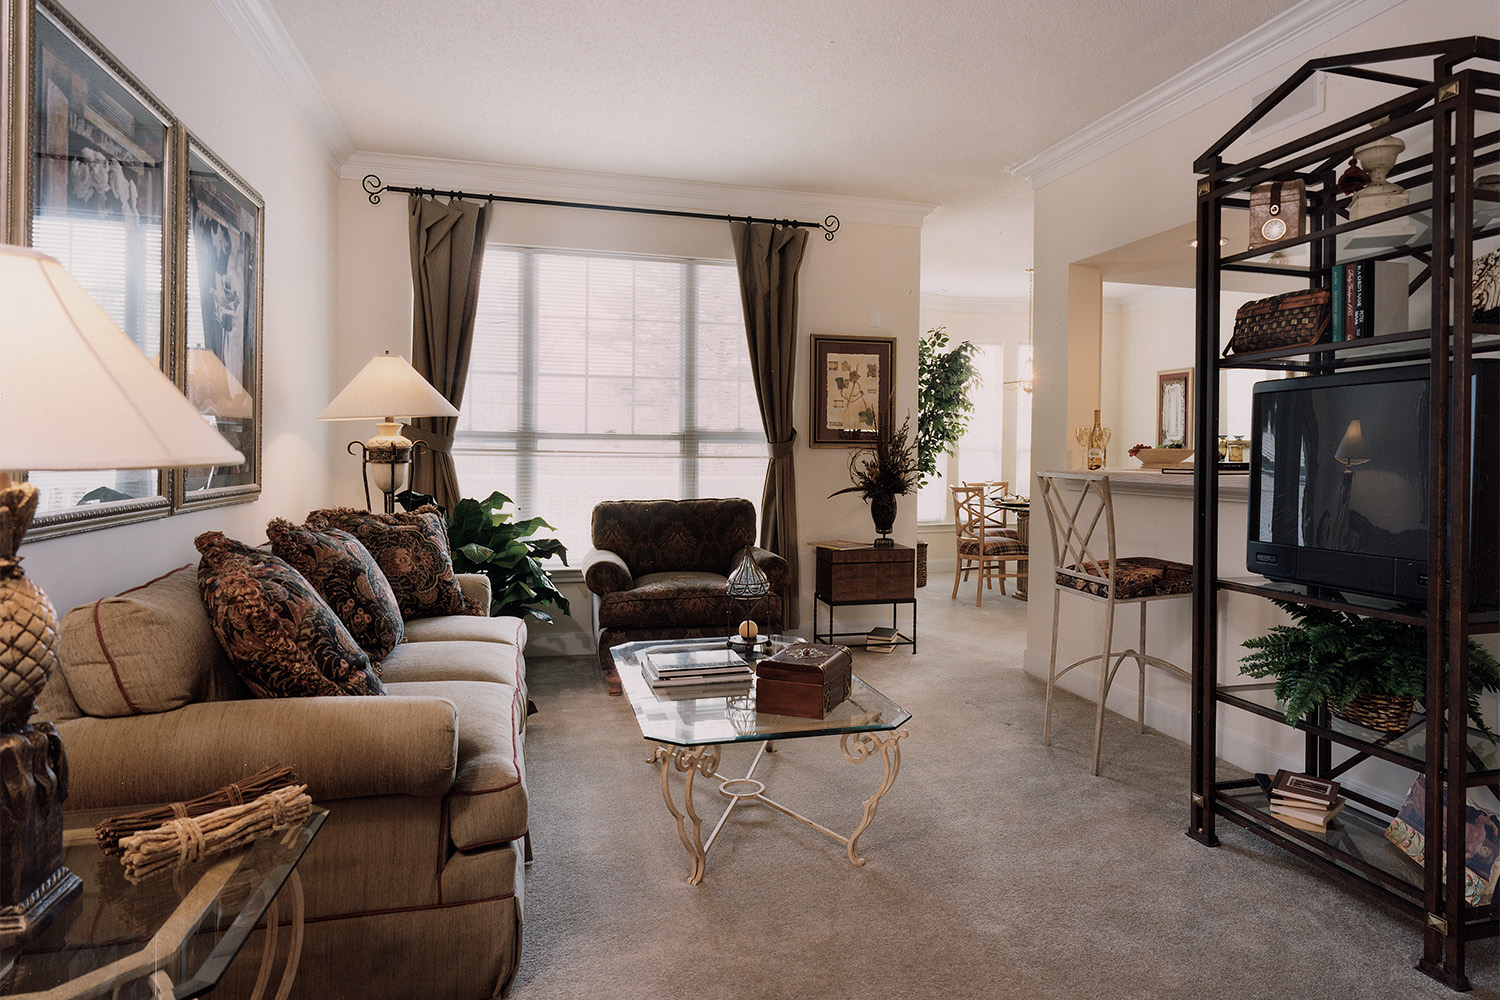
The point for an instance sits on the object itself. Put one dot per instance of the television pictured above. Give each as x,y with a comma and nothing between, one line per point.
1339,482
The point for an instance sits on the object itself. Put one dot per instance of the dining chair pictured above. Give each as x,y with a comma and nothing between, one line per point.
1080,509
981,544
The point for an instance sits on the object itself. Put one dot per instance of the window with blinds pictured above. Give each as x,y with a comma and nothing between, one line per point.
603,377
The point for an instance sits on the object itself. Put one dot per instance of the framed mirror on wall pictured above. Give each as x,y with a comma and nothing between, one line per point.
100,180
164,236
219,351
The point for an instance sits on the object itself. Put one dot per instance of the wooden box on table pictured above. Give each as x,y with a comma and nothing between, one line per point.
806,680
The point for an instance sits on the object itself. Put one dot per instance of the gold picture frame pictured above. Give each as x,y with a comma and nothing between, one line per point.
1174,408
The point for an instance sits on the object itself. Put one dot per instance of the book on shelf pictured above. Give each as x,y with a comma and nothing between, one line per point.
1314,792
1317,816
1312,818
882,640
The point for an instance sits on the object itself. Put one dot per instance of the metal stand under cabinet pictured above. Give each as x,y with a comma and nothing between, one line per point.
1427,226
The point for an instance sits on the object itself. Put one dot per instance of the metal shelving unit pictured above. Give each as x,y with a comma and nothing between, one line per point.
1450,120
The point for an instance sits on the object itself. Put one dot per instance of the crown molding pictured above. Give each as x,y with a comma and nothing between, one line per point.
264,36
627,191
999,305
1282,39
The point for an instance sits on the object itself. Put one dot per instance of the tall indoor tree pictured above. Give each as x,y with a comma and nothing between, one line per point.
945,378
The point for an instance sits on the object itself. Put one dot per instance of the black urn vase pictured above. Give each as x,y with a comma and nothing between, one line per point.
883,513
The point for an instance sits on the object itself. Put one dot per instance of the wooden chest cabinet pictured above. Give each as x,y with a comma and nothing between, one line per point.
867,573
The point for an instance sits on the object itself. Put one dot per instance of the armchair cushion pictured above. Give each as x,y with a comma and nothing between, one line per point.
684,598
280,634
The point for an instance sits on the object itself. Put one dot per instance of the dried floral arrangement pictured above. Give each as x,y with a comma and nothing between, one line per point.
888,468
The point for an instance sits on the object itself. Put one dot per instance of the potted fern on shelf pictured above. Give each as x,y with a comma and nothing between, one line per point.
1369,671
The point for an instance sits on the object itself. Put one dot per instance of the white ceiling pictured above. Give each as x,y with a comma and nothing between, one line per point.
925,102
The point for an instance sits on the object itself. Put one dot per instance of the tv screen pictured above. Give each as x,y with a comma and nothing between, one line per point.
1339,482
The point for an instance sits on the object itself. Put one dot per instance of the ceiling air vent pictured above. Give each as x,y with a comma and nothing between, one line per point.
1301,104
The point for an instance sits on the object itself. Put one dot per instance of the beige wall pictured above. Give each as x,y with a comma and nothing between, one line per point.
184,52
868,266
1137,191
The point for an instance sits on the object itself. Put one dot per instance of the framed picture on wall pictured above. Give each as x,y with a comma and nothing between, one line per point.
853,389
219,349
1174,408
97,177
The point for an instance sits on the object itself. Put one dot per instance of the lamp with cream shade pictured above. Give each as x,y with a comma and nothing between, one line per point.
386,386
75,393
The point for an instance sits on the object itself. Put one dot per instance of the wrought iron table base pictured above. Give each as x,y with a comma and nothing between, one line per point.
704,760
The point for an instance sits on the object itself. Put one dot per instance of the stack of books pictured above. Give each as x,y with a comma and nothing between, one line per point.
1304,801
714,666
882,640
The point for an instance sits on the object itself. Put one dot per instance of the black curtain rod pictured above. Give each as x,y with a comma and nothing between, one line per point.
374,188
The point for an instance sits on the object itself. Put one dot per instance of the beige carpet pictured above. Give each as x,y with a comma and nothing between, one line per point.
997,868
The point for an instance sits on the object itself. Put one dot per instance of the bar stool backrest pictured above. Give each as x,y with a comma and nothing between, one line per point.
1083,560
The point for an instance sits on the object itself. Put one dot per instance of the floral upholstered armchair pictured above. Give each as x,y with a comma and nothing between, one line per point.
659,570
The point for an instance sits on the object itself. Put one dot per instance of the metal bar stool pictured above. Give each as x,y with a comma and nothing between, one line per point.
1084,568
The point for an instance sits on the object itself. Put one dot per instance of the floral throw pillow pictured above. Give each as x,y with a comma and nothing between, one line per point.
349,579
279,633
411,548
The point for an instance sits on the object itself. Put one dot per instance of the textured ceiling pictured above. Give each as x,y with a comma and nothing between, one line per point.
921,102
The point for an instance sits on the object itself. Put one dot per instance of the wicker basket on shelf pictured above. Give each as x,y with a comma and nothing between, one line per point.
1384,712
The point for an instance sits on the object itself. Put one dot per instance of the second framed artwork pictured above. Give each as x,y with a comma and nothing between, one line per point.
219,351
1174,408
853,390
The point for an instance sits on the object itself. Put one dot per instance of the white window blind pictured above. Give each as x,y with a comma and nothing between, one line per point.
603,377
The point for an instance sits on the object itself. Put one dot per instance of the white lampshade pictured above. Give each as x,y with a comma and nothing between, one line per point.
75,392
1351,449
214,390
386,389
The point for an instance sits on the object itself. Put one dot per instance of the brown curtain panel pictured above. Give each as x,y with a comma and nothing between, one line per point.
769,257
447,252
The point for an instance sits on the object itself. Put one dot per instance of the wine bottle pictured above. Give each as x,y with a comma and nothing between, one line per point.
1094,457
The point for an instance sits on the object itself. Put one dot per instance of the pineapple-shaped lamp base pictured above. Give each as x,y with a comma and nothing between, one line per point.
34,885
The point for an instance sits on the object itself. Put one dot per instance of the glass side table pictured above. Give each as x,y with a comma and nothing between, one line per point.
171,935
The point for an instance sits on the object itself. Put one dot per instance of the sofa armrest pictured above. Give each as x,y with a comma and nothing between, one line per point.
477,586
604,572
339,747
777,570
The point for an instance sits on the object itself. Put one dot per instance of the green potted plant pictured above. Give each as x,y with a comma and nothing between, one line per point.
882,472
1367,670
484,539
944,380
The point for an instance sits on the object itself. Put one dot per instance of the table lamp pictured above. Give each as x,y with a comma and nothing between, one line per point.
75,393
1351,449
387,385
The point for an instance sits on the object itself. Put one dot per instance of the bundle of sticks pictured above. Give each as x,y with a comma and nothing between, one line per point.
186,839
111,831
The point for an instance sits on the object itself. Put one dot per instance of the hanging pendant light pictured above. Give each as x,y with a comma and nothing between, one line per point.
1025,382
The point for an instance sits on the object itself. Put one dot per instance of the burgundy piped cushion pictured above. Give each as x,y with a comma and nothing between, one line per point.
349,579
411,548
1135,577
281,636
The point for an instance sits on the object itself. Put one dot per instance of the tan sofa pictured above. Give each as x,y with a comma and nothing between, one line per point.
414,885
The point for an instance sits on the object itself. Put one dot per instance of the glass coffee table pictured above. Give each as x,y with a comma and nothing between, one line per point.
170,935
693,726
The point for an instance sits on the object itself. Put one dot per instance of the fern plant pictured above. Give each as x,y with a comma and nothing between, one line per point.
1334,657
